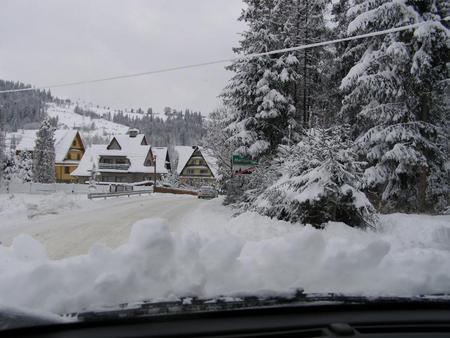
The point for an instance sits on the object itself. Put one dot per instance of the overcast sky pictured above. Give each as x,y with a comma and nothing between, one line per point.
51,41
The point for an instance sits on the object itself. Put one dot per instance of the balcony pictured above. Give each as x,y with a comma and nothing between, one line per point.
113,166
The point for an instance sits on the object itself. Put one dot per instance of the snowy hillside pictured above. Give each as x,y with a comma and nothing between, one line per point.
92,129
89,126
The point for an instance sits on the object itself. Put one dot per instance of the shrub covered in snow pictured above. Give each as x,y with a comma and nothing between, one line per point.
320,182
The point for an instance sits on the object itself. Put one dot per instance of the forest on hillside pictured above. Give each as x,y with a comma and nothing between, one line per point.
24,109
178,128
27,109
340,131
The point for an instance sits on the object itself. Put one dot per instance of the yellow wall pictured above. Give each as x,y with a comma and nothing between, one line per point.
76,148
61,176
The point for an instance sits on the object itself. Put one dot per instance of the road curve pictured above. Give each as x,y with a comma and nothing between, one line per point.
74,232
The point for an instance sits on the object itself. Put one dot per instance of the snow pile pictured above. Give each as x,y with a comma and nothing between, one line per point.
408,255
51,204
19,208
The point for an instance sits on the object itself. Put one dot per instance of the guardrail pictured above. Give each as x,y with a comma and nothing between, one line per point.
51,188
117,194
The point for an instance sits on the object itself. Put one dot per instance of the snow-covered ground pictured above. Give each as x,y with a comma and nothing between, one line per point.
69,224
68,118
164,246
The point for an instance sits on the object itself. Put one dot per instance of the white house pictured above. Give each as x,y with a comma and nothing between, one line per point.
127,159
196,166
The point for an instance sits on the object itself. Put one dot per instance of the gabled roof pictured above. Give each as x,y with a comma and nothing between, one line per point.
185,153
210,160
161,155
130,147
90,157
63,141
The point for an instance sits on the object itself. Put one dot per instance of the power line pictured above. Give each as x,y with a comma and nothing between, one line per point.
214,62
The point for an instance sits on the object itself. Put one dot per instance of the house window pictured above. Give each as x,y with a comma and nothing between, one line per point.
203,171
78,157
66,170
74,143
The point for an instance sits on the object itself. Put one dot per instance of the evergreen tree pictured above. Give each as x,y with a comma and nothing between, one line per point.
24,167
320,182
303,23
270,93
44,154
394,100
261,109
216,140
22,108
9,167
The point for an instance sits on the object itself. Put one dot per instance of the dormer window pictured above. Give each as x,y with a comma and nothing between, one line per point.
114,145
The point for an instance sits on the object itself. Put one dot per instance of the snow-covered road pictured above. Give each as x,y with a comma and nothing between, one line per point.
73,232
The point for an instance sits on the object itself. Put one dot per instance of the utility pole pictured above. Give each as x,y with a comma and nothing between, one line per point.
154,174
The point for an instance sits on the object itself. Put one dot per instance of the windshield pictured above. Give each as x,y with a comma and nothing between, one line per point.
163,150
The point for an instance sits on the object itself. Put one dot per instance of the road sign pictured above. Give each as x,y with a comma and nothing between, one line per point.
242,166
238,160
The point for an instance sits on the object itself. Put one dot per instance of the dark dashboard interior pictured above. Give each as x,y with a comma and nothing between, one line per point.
385,319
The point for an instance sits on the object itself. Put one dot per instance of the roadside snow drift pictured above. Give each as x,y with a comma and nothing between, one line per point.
408,255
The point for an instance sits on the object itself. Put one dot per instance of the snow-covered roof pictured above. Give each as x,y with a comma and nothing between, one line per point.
210,160
90,157
130,147
63,141
185,153
161,154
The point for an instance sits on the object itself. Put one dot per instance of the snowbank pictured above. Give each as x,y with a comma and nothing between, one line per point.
21,206
408,255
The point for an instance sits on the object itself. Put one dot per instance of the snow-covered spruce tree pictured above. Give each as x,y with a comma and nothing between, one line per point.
24,167
310,85
9,167
44,154
270,94
347,53
394,98
261,109
320,182
243,190
216,140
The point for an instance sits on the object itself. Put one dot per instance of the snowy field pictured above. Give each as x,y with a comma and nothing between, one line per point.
68,118
64,253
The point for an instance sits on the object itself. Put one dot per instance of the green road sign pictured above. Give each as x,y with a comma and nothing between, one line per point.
238,160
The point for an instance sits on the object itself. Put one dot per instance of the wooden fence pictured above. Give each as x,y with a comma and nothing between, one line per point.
166,190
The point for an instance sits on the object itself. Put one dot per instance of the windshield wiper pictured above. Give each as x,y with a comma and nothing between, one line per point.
239,302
